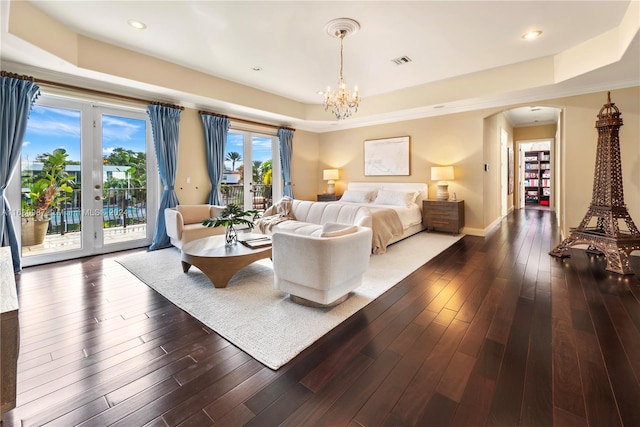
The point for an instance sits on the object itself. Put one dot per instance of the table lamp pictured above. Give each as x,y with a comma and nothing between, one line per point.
442,174
330,175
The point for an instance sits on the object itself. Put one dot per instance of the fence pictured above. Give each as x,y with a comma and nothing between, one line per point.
128,206
261,196
120,207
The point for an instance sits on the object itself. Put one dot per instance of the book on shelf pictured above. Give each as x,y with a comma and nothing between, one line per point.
257,242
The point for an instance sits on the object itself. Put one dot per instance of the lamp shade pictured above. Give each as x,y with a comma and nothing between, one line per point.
441,173
330,174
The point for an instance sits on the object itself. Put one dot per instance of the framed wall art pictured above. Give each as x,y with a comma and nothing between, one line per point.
389,156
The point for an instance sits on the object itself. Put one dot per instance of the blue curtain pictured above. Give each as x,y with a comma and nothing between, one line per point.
165,124
286,152
215,139
17,97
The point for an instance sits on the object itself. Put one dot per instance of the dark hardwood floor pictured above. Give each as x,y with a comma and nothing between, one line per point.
491,332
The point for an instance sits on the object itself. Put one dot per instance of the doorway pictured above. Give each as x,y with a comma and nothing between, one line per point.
85,184
536,178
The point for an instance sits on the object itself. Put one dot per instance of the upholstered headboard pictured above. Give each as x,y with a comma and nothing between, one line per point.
421,187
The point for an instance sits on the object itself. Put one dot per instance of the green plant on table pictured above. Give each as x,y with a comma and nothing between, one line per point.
230,216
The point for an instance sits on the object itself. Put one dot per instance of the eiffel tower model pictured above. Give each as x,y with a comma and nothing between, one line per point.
607,204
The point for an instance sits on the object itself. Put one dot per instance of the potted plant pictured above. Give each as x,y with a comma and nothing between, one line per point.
230,216
45,194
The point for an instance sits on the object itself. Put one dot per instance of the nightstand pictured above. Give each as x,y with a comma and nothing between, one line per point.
328,197
439,215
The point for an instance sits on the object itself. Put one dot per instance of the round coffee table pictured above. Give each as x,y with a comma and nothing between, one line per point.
219,262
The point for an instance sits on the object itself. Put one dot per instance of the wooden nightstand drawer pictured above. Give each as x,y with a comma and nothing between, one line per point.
328,197
443,215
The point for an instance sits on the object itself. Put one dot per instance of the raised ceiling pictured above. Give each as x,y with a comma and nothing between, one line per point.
449,43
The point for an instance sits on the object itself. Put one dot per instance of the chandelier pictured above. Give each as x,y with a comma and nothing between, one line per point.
342,101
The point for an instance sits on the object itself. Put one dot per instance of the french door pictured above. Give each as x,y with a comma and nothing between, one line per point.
105,155
252,170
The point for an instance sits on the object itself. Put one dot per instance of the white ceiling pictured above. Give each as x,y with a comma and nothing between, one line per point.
444,39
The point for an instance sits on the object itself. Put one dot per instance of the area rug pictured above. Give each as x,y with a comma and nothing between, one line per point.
261,320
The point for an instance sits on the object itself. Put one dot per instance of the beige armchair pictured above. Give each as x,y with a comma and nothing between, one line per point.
321,270
184,223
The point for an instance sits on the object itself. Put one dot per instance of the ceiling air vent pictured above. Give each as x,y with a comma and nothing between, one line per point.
401,60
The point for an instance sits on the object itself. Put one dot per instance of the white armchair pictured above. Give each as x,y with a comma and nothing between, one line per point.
321,271
184,223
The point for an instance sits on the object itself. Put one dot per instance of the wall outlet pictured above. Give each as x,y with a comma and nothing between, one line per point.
188,180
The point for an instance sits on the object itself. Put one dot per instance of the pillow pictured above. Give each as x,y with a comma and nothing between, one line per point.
358,196
192,214
396,197
331,229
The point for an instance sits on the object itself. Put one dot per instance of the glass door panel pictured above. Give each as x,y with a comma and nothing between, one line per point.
261,194
50,180
122,186
249,170
232,186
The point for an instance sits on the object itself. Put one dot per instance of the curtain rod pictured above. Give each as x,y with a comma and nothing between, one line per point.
131,98
100,92
250,122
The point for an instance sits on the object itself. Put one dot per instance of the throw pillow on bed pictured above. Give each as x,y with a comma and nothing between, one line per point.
357,196
396,197
331,229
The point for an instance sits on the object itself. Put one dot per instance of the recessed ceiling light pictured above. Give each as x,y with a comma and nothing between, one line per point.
256,68
138,25
320,92
532,35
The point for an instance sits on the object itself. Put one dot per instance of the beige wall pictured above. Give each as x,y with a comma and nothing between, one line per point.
192,161
492,142
305,165
454,139
528,133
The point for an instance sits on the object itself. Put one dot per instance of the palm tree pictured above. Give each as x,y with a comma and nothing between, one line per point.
257,171
233,157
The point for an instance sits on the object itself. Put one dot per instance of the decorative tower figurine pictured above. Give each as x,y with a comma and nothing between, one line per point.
607,204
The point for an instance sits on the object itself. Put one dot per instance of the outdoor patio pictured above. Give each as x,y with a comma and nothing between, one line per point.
71,240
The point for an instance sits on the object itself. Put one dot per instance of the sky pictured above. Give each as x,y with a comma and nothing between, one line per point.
261,148
49,128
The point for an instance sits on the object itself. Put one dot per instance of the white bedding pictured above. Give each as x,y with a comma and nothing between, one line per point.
408,216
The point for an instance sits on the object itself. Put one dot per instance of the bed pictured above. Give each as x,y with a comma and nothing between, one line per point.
396,209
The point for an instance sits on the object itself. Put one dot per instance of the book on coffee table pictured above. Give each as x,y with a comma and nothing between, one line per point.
257,242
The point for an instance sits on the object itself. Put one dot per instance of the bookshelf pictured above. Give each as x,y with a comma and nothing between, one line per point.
537,177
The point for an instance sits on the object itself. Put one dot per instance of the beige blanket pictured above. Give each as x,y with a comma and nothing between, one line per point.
275,214
386,224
